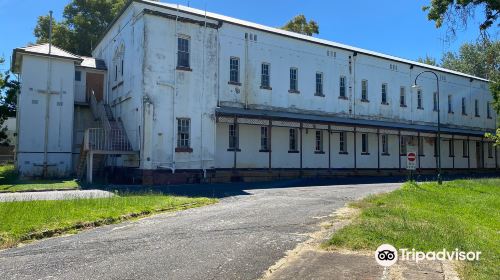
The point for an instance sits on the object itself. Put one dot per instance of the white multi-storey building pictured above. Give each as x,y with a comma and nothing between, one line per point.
196,94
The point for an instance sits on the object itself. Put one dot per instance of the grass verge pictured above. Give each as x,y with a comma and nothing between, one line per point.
27,220
463,214
9,182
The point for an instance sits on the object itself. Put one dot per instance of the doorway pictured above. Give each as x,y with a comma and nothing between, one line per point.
95,82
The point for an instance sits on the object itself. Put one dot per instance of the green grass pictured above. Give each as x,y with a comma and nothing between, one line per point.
463,214
9,182
27,220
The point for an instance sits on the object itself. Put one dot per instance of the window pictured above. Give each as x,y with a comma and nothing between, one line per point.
319,84
294,80
292,144
435,101
385,144
420,146
264,140
464,108
116,73
319,141
342,143
402,97
233,137
364,143
234,70
419,99
436,153
490,149
384,93
78,75
476,107
183,52
404,144
122,69
364,90
450,105
451,148
488,110
465,148
183,133
265,76
342,87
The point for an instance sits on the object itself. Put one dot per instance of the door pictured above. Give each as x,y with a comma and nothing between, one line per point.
479,155
95,83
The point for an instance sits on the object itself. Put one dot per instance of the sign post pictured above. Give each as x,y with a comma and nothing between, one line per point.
411,161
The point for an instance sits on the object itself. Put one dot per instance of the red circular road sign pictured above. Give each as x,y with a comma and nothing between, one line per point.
412,156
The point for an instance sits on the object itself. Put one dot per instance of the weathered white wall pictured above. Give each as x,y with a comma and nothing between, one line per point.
149,46
32,106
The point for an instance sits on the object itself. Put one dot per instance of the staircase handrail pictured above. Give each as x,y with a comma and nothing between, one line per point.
99,112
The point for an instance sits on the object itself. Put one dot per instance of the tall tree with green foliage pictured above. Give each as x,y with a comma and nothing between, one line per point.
428,60
83,23
8,101
457,13
481,59
299,24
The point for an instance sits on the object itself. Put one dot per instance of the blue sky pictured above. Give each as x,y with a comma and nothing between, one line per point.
393,27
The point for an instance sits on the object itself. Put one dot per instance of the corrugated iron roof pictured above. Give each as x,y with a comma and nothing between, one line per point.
94,63
284,115
43,49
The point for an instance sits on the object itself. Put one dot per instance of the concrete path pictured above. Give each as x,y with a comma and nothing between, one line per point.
53,195
238,238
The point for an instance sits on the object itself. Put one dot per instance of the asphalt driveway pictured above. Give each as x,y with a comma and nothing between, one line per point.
238,238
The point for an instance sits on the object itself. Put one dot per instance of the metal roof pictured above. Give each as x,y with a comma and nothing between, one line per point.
284,115
214,16
41,50
94,63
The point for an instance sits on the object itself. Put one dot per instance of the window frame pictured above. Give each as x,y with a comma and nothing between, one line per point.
265,78
319,84
234,70
233,134
404,145
488,110
292,140
364,90
78,75
294,80
343,142
184,135
464,106
465,148
385,144
383,92
342,87
451,148
476,108
450,104
365,144
489,146
435,101
318,142
420,101
183,56
264,139
402,97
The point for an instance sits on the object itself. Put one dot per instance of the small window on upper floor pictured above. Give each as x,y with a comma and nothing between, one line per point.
294,80
342,87
420,100
435,101
450,104
464,107
265,76
476,108
402,97
384,94
364,90
78,76
183,52
319,84
234,70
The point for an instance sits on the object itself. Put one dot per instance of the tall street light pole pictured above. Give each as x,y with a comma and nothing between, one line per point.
438,142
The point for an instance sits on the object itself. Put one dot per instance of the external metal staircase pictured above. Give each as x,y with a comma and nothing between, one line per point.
109,139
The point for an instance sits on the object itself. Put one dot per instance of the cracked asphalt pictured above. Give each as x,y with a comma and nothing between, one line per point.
238,238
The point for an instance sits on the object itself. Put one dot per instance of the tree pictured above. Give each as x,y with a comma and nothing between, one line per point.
8,100
83,23
428,60
481,59
300,25
457,13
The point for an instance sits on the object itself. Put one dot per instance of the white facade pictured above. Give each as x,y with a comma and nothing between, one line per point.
154,85
169,81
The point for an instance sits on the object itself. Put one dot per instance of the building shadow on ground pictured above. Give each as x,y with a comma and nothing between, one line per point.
241,188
